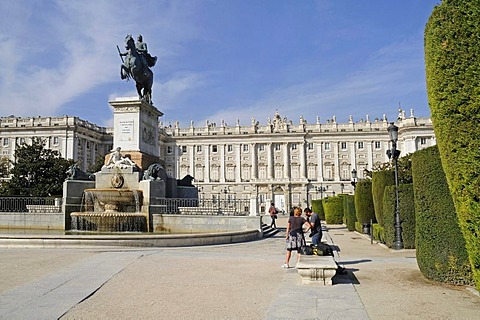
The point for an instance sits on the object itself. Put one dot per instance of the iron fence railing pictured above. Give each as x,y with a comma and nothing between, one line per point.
237,207
186,206
30,204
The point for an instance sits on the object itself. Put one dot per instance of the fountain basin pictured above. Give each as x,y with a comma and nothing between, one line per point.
112,200
109,221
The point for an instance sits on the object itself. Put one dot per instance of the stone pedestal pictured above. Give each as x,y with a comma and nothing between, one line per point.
72,198
125,178
135,130
153,193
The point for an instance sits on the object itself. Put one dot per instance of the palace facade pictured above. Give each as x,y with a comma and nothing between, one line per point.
72,137
283,162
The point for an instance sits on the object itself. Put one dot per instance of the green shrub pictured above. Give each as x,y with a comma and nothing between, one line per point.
378,233
441,253
358,227
317,207
407,215
333,210
380,179
349,212
364,202
452,58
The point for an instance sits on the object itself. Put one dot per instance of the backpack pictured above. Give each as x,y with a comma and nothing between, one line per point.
322,249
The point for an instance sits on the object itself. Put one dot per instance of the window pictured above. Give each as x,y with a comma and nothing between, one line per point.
377,145
55,141
229,148
261,147
276,146
310,146
360,145
214,148
184,149
423,141
245,148
5,142
22,141
294,146
169,149
343,145
199,149
327,146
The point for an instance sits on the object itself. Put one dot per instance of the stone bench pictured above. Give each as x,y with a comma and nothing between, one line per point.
318,269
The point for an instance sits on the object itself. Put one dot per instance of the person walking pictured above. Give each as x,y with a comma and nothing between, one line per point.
294,235
273,216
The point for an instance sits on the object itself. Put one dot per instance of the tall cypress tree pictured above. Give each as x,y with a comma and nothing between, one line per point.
452,56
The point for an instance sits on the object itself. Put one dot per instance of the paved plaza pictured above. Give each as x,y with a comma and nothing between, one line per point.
237,281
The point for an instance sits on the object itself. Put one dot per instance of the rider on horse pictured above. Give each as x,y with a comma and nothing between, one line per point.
136,65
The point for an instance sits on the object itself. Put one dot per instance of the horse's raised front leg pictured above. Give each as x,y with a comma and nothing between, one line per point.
124,74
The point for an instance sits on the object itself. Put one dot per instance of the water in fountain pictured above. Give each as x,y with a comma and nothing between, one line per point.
110,210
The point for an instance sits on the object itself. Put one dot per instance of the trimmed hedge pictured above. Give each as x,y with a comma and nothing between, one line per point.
364,202
380,179
349,212
441,253
317,207
406,208
452,58
333,210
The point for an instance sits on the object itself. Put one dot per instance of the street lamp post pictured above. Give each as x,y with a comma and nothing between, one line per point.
320,189
354,178
394,153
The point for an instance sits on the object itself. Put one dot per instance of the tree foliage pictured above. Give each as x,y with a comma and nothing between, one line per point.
37,171
452,58
441,252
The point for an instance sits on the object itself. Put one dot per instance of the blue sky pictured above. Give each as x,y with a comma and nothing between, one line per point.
217,59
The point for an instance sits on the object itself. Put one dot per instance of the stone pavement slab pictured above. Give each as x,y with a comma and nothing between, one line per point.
51,296
237,281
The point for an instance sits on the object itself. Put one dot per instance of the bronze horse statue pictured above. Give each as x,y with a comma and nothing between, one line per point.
134,67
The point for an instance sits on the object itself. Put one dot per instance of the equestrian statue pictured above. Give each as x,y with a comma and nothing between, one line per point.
137,66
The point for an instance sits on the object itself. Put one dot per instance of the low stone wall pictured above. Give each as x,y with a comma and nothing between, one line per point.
175,223
32,220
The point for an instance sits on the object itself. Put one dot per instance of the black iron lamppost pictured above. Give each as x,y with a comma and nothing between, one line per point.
320,189
354,178
394,153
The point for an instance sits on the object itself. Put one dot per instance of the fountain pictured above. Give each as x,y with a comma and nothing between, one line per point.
128,189
110,210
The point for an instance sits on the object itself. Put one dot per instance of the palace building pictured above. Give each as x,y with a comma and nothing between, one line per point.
72,137
285,162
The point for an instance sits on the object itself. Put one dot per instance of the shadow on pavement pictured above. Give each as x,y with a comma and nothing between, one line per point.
346,278
356,261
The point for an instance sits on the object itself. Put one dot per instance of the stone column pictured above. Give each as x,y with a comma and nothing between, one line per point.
336,169
191,159
286,161
320,162
238,163
206,178
303,160
369,155
222,163
254,161
270,161
353,155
